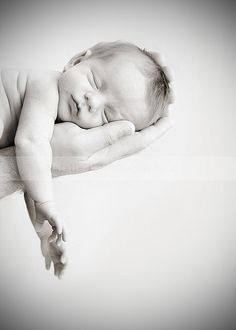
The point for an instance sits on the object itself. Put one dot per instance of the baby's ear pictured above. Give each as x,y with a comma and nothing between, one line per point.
77,59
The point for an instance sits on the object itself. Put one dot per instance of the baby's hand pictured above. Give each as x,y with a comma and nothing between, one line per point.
46,211
55,253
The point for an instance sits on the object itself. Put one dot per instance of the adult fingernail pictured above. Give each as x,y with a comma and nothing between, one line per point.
128,129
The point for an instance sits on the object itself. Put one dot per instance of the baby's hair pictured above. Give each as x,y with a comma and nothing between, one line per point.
158,88
158,91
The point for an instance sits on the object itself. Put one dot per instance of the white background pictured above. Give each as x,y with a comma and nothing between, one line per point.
152,237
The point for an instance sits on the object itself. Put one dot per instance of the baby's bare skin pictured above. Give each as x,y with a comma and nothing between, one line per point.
13,88
13,84
12,91
30,103
89,94
28,109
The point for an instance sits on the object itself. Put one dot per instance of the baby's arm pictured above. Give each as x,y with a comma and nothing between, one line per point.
52,253
32,142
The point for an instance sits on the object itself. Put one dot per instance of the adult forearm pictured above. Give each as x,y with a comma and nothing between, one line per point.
34,163
76,150
9,176
10,180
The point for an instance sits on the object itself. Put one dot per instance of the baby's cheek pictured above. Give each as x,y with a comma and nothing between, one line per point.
67,82
63,83
63,110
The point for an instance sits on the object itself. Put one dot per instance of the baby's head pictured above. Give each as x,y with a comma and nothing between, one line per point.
113,81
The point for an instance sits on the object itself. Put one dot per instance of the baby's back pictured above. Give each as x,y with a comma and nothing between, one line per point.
12,91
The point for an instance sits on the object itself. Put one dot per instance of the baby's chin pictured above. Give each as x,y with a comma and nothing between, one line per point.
84,123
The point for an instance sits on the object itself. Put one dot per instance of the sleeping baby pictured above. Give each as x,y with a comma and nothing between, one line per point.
110,81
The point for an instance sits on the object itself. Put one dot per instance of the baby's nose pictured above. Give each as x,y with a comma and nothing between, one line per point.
94,101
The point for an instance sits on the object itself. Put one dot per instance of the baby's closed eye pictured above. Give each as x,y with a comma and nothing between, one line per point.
96,81
105,115
92,80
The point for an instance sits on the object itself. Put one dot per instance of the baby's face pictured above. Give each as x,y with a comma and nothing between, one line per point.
95,92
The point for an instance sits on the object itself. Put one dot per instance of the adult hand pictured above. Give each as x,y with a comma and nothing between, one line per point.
76,150
128,145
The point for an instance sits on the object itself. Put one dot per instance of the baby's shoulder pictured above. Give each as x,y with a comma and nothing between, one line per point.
42,84
46,78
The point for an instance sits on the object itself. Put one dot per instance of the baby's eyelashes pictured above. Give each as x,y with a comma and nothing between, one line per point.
105,116
96,81
93,81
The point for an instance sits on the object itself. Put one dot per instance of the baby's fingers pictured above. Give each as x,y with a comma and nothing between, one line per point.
65,234
55,222
59,239
53,236
38,225
56,270
59,270
64,258
47,263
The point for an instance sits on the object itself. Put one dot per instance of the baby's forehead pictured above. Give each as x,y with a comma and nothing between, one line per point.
125,71
116,61
129,79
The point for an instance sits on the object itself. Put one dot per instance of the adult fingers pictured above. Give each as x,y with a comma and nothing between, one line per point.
151,133
122,148
130,144
98,138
